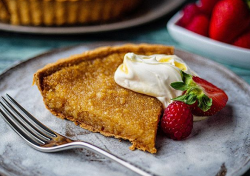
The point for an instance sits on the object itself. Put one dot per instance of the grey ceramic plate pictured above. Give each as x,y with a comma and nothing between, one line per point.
216,145
149,10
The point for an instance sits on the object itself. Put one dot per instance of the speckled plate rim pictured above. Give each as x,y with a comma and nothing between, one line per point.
162,8
245,86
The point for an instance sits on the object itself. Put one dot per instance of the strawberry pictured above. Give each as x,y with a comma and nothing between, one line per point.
203,98
206,6
177,121
243,40
229,19
189,11
199,25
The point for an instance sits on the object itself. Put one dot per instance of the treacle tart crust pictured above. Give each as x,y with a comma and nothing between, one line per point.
82,89
65,12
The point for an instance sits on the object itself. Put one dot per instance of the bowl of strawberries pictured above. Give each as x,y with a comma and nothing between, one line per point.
219,28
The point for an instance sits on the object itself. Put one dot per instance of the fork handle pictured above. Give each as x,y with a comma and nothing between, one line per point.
81,144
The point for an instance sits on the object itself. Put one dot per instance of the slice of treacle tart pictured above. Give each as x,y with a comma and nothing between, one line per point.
82,89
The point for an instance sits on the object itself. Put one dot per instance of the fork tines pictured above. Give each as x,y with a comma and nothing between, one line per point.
27,126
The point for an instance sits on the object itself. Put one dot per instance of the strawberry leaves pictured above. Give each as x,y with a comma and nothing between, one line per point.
248,3
202,97
192,92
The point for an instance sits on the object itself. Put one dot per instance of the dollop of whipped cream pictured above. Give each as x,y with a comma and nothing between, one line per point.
152,75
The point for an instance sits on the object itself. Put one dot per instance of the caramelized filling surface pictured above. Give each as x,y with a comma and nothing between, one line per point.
87,94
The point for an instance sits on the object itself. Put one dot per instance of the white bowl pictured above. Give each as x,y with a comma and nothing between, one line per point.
226,53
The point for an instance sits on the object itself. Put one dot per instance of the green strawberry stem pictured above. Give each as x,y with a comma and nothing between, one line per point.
193,92
248,3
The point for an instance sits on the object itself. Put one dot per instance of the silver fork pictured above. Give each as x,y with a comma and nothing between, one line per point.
43,139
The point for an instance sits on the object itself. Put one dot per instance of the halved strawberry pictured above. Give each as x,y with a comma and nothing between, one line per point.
203,98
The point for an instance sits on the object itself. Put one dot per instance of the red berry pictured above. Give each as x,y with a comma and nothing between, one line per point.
229,19
177,121
206,6
243,40
189,11
199,25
